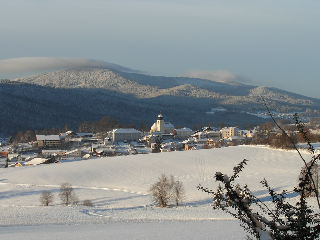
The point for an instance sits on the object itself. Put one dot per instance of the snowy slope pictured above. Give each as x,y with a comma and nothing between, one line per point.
118,188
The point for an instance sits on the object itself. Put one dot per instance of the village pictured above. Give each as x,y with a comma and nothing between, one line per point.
163,137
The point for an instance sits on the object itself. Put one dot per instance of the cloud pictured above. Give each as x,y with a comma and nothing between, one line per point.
38,64
218,76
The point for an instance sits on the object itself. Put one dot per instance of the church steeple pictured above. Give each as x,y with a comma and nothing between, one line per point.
160,123
160,117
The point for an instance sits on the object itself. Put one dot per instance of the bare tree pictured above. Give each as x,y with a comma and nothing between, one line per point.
161,190
178,192
46,198
167,189
67,194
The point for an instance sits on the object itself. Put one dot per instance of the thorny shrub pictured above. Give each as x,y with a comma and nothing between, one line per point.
282,221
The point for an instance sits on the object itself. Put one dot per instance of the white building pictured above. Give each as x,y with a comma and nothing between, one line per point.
183,133
48,140
125,134
161,126
213,134
229,132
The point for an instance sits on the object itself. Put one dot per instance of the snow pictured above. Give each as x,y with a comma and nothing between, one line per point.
118,188
214,110
48,137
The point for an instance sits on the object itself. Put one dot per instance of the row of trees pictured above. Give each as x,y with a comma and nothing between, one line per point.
285,139
67,196
164,191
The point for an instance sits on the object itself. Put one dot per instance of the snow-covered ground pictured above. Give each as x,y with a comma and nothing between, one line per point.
118,188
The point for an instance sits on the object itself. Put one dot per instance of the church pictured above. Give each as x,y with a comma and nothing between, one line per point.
160,126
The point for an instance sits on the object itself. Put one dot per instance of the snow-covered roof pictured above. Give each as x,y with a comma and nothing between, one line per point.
168,125
236,137
84,134
36,161
125,130
72,151
48,137
201,140
52,150
184,129
213,131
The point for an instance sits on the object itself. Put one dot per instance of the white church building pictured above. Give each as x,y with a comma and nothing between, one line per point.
161,127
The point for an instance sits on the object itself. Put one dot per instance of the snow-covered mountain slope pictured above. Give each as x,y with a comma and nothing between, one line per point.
144,86
88,94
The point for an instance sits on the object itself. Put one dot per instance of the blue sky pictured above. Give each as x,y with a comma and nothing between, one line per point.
265,43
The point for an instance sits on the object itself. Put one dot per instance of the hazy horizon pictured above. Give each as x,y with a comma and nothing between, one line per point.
273,44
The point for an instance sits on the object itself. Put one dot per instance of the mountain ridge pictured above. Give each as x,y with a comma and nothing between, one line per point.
88,94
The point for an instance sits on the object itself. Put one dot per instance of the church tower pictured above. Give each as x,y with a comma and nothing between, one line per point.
160,123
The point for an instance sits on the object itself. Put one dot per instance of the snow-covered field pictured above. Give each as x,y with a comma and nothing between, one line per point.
118,188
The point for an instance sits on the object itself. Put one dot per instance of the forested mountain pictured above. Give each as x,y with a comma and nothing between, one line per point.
88,94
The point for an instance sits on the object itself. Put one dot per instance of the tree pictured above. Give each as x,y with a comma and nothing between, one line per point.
157,145
178,192
46,198
67,194
167,189
161,191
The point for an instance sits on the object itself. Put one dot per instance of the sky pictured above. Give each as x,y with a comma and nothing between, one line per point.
263,43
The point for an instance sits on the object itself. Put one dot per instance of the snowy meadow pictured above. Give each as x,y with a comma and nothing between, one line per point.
122,207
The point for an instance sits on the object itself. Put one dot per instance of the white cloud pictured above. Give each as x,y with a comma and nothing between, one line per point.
34,64
219,76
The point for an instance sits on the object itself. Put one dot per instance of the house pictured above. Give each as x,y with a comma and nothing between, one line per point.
200,141
236,139
47,153
2,142
3,154
213,134
229,132
199,134
182,133
48,140
189,146
107,141
76,153
13,157
85,135
125,134
150,139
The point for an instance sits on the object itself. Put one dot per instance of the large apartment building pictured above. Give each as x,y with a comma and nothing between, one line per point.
125,134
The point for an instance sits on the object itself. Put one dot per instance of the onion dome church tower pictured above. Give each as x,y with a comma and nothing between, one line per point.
160,123
161,126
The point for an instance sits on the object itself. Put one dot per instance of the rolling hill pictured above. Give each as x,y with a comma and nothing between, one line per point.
118,188
88,94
